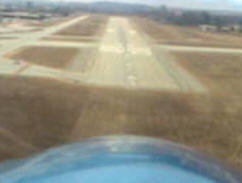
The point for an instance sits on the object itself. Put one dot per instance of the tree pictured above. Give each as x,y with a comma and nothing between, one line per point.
206,18
29,5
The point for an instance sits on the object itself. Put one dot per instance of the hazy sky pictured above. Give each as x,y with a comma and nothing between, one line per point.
204,4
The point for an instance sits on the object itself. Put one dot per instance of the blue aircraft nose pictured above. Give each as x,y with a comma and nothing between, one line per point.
119,159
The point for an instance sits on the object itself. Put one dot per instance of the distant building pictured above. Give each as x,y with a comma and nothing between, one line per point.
237,28
178,13
208,28
231,28
226,28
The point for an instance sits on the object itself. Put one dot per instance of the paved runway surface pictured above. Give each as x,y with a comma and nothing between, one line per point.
124,59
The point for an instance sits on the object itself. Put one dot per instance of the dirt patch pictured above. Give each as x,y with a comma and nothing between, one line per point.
56,57
187,36
92,26
46,113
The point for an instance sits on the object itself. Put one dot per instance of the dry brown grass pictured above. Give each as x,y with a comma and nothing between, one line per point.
56,57
222,74
47,113
189,36
40,112
92,26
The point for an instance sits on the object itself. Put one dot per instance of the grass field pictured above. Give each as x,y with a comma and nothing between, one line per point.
92,26
56,57
188,36
46,113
